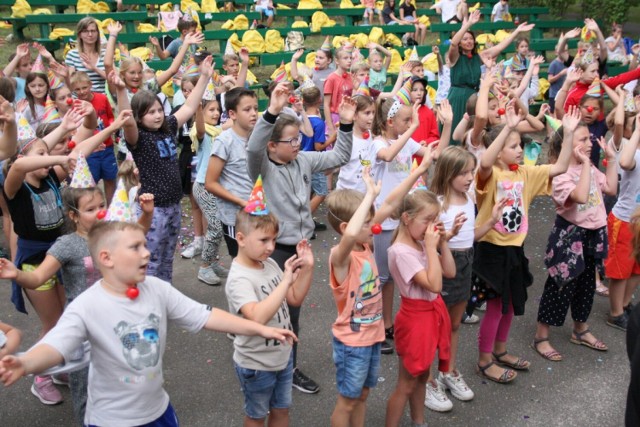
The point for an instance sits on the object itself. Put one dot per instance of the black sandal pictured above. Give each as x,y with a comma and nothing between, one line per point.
507,376
520,365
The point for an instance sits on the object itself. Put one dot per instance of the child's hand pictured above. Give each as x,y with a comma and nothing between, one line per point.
298,106
574,76
61,70
525,27
571,119
489,78
435,49
114,79
537,60
432,235
591,25
291,269
621,92
122,118
458,222
69,164
8,270
11,370
114,28
206,68
298,54
146,202
373,188
428,157
608,150
285,336
72,120
347,110
496,211
279,98
194,38
582,158
474,17
544,109
154,41
415,115
513,118
305,253
7,113
572,34
83,108
244,55
43,51
22,50
445,112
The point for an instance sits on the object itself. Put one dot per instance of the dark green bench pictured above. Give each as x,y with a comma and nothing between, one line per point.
445,30
532,12
46,21
346,30
542,26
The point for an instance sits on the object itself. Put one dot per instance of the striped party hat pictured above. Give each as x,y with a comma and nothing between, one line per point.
38,66
419,184
54,81
257,204
280,73
50,114
363,89
403,96
594,88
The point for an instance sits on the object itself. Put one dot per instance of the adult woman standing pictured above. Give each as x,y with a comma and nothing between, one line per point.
465,62
89,55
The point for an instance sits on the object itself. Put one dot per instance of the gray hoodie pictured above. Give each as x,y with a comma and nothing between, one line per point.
288,186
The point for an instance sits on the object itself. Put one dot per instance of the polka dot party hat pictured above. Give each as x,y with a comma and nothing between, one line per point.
120,208
82,177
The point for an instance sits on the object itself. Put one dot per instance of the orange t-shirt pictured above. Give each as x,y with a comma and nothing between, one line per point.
337,86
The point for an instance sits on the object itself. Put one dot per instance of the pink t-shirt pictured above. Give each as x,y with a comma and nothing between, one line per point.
591,215
404,263
359,301
337,86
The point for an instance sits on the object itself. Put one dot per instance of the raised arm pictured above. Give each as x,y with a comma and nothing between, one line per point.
190,39
593,26
534,67
561,96
494,51
113,29
445,117
31,279
569,124
160,53
89,145
9,137
294,63
23,165
389,153
190,106
564,38
130,127
611,172
244,67
22,50
453,54
627,155
491,155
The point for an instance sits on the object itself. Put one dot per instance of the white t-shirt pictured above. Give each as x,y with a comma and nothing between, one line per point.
449,9
499,11
391,173
464,238
629,197
128,339
351,174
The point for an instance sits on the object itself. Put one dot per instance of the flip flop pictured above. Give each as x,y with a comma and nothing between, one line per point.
552,356
578,340
520,364
507,376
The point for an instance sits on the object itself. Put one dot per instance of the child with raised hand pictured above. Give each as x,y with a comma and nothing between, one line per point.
419,258
20,63
226,176
391,153
274,153
358,329
70,256
379,60
338,85
131,68
321,71
258,290
499,259
32,191
111,315
620,266
151,138
206,129
452,182
577,244
350,176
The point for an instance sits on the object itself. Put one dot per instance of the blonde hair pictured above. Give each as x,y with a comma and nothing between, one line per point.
341,205
359,66
79,77
104,235
412,204
126,172
380,119
127,63
246,223
451,162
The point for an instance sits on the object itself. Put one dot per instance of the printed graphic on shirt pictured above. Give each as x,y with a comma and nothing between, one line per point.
46,210
367,303
167,148
514,219
400,163
594,195
282,315
140,342
92,274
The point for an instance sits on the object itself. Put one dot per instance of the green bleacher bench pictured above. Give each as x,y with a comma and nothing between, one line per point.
206,18
45,21
366,29
222,36
146,2
565,25
60,5
445,30
532,12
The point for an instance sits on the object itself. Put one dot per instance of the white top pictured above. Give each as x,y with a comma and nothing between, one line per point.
464,238
629,196
499,11
449,8
391,173
128,339
351,174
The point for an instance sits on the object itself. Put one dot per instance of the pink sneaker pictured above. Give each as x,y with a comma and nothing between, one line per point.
44,390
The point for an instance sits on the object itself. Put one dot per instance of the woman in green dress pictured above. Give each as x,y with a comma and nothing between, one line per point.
465,62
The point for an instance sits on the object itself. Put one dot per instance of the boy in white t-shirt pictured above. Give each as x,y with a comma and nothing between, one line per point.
500,11
124,317
451,11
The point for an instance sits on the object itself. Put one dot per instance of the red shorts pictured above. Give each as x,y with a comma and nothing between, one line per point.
620,264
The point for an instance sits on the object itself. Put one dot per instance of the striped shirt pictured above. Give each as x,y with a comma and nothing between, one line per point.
73,60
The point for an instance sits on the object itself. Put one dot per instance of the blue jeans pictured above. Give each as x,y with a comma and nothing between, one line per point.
264,390
162,239
356,368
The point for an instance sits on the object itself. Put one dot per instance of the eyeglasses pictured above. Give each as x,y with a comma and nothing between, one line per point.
90,31
295,141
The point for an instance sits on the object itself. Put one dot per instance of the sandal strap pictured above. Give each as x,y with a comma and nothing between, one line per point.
579,335
500,355
537,341
506,375
485,367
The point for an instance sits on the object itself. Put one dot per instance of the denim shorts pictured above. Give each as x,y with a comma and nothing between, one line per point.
458,289
356,368
264,390
102,164
319,184
265,10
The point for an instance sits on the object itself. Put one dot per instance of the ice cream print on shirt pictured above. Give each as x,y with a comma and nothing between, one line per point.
514,218
140,342
367,299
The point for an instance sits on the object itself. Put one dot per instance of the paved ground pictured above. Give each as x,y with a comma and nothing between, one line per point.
587,389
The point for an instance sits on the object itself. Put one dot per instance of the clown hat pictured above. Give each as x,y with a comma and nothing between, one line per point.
357,57
594,88
363,89
419,184
280,73
326,45
54,80
25,132
414,55
82,177
586,35
120,208
38,66
553,122
50,114
257,201
403,96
